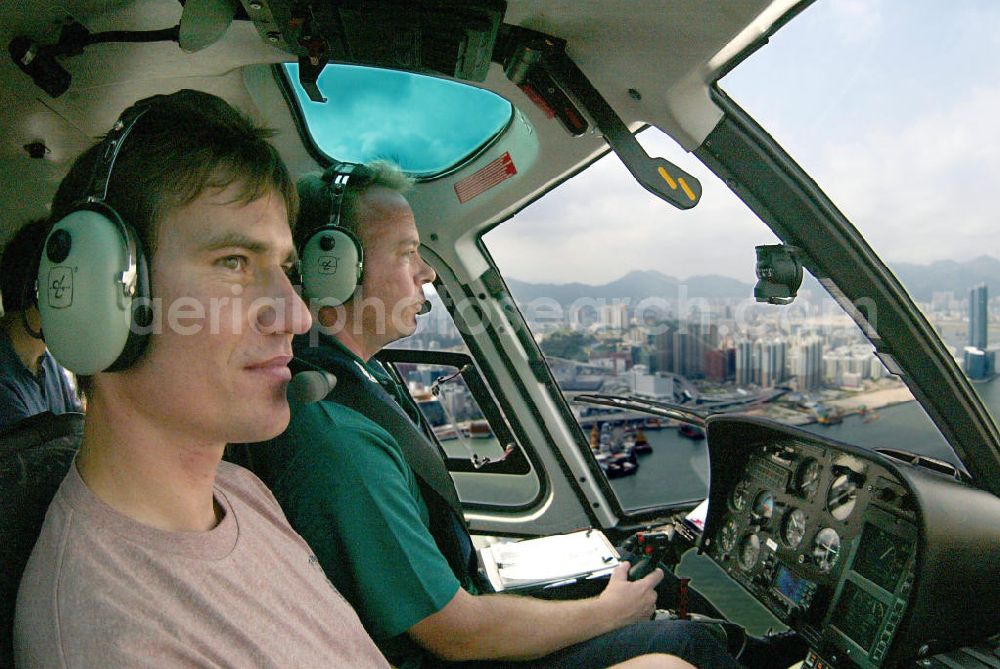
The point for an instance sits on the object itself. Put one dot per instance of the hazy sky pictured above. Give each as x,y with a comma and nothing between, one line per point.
893,106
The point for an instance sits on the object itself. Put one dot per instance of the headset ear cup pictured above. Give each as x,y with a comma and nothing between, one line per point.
140,310
86,313
332,260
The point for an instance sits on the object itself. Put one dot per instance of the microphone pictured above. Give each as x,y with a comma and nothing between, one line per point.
310,386
425,308
309,383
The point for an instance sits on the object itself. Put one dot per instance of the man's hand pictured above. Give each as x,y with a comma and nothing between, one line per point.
627,601
512,627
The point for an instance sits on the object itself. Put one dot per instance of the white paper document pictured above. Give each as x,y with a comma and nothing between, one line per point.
547,560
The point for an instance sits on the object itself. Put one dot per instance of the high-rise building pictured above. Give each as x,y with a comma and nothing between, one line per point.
662,355
978,317
687,354
715,364
808,363
744,362
769,370
614,316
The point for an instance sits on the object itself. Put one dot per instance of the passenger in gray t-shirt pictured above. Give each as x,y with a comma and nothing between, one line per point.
247,593
153,552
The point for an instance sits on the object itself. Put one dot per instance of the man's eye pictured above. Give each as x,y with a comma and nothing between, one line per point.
235,263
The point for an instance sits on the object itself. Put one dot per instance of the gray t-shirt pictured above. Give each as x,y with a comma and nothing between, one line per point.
102,590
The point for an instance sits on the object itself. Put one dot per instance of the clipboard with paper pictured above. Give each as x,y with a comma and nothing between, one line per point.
532,563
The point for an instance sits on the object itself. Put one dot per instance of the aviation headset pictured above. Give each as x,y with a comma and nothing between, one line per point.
93,280
332,259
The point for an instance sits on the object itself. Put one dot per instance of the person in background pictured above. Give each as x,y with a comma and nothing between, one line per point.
389,542
31,381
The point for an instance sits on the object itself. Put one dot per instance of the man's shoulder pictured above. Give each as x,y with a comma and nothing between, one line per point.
338,423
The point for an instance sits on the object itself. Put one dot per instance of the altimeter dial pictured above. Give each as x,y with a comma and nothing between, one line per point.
826,549
807,478
793,528
843,495
749,552
727,536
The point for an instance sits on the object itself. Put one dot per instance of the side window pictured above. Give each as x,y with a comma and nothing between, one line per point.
483,454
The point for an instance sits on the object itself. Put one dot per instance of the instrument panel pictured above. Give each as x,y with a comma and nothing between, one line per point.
836,542
822,538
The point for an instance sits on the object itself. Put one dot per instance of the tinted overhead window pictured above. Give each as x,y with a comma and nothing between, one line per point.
425,124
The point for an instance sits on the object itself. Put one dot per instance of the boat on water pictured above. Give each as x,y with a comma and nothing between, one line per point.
479,429
435,415
615,454
833,416
692,432
642,445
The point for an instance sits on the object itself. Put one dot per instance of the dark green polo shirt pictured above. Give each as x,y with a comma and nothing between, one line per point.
345,487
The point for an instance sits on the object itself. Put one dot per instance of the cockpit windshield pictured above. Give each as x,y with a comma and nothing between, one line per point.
658,304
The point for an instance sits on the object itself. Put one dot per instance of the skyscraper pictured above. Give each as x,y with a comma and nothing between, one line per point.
744,362
808,363
977,317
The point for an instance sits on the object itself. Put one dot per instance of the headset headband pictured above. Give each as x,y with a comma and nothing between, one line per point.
113,141
97,192
338,177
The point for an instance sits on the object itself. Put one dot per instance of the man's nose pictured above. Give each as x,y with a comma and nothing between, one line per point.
427,274
283,310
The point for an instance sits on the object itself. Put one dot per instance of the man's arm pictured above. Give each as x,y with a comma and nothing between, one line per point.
511,627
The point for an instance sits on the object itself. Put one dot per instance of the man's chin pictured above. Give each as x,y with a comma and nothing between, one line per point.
263,425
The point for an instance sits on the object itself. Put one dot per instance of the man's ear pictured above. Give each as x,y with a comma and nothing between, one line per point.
31,320
332,317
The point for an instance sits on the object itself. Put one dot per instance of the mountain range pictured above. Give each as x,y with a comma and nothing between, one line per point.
920,280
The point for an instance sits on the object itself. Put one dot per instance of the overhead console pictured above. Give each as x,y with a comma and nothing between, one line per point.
872,560
451,37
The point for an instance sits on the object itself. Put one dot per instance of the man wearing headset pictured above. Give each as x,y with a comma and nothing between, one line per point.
31,382
153,552
351,471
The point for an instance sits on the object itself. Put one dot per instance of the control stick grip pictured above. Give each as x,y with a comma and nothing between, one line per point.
645,550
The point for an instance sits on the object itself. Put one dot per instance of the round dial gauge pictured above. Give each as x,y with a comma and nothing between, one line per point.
793,529
807,478
763,506
826,549
749,551
843,495
738,500
727,535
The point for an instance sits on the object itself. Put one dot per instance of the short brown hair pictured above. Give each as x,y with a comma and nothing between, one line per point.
315,199
186,142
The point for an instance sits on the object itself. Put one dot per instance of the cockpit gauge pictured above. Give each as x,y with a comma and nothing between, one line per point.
738,500
727,536
806,479
843,495
793,528
826,549
749,552
763,507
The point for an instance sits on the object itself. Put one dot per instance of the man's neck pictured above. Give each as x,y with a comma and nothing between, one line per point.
152,477
28,349
355,344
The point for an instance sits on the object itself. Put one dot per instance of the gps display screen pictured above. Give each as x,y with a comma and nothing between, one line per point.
882,557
